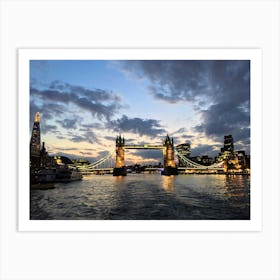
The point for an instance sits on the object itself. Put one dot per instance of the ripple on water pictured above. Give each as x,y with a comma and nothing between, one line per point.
145,197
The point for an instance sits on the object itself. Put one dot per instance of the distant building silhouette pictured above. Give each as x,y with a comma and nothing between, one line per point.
203,160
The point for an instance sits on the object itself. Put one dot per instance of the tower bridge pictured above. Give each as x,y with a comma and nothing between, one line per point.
115,161
167,149
106,164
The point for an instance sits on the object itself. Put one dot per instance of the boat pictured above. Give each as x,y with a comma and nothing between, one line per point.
65,173
46,175
60,173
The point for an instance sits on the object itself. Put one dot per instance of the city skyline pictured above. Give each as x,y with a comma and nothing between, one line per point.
85,104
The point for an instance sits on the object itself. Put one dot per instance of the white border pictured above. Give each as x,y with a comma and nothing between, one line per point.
254,55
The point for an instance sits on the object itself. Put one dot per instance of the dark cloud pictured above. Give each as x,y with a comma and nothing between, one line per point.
218,89
85,153
242,145
187,136
149,154
68,123
91,94
48,111
177,140
65,149
48,128
209,150
100,103
179,131
88,136
172,80
60,137
230,111
111,138
79,138
222,119
149,127
92,125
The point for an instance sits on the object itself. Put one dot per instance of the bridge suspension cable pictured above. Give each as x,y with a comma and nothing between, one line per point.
98,164
193,164
101,161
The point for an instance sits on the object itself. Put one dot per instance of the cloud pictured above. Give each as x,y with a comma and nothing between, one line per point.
179,135
79,138
91,125
201,150
187,137
65,149
149,154
148,127
230,111
48,111
60,137
110,138
55,102
219,91
88,136
179,131
172,80
48,128
100,103
68,123
85,153
91,94
222,119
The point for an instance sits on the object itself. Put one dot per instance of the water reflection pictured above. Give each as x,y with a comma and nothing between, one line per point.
145,197
168,183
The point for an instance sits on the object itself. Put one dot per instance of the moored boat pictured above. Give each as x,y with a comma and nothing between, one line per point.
60,173
64,173
46,175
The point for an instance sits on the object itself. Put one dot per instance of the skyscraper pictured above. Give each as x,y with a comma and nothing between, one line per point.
228,144
35,143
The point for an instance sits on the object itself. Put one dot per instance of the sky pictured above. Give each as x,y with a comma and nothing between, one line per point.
85,104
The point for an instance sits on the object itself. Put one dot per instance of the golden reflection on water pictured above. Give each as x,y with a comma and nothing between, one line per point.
168,183
119,178
234,184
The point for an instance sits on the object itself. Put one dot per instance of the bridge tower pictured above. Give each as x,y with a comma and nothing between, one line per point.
35,143
120,169
168,157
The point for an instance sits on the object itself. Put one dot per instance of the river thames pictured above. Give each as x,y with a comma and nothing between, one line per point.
145,197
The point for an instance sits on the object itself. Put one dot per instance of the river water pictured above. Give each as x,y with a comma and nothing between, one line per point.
145,197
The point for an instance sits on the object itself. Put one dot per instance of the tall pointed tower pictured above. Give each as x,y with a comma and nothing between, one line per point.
35,143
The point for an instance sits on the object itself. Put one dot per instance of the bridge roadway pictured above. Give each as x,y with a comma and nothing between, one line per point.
153,147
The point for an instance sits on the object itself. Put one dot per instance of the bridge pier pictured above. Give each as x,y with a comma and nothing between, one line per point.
120,169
